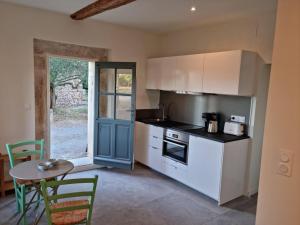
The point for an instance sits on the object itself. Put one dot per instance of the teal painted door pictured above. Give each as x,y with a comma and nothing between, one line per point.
115,94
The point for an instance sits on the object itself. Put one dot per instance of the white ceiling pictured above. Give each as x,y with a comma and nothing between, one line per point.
162,15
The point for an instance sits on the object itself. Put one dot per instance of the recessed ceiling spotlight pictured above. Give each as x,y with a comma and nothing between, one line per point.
193,8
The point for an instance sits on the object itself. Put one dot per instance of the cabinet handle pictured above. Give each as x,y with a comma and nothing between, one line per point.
155,137
154,147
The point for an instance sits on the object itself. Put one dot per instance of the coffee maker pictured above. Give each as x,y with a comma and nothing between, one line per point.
211,121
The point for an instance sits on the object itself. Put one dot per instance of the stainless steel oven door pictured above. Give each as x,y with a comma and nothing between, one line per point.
175,150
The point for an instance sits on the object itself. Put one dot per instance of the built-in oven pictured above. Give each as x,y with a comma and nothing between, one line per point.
175,145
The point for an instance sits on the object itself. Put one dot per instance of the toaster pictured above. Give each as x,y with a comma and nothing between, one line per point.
234,128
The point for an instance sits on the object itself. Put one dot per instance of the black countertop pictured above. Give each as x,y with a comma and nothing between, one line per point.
195,131
219,137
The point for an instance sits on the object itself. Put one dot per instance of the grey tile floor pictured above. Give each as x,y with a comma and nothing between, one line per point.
144,197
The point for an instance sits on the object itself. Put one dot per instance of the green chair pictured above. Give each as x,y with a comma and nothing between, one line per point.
76,211
17,152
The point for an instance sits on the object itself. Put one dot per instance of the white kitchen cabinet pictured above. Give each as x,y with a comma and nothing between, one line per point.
155,158
154,71
156,132
174,169
141,140
230,73
217,169
205,165
168,73
148,145
161,73
178,73
155,147
189,73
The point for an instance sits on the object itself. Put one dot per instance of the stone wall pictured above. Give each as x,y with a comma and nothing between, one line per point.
68,95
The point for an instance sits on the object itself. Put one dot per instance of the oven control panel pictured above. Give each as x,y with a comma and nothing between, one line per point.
177,135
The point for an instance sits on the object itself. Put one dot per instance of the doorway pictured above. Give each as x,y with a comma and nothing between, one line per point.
70,104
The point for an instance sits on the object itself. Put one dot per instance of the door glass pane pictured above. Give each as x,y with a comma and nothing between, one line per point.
106,106
123,110
124,81
107,81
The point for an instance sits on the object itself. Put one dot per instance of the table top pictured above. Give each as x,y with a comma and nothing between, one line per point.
29,171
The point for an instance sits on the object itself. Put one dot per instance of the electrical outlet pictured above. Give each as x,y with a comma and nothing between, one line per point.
285,163
239,119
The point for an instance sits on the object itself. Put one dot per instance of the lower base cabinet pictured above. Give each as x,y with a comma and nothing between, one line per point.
155,158
215,169
218,170
205,166
175,170
141,141
148,145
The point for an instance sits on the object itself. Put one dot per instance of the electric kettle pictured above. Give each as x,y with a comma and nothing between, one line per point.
212,126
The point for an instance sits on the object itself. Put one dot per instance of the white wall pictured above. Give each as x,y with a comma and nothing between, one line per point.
279,196
19,25
252,33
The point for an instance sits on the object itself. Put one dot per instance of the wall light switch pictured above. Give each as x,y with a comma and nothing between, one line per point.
285,163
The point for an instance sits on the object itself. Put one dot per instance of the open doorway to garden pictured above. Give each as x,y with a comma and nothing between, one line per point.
69,106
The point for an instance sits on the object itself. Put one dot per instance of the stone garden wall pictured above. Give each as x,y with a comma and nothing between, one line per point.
67,95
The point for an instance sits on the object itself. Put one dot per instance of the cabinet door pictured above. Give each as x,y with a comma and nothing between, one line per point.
141,143
190,73
168,75
154,73
155,147
234,170
155,158
156,132
169,167
222,72
204,166
175,170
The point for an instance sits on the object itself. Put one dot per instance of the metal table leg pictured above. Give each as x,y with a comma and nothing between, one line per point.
38,188
27,208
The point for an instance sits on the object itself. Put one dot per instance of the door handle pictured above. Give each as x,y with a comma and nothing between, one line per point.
172,143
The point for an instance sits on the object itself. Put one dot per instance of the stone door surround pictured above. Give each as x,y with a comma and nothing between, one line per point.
42,49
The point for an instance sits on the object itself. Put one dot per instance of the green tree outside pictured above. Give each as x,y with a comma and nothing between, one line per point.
63,71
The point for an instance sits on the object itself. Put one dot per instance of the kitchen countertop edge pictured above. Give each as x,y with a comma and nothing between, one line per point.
212,136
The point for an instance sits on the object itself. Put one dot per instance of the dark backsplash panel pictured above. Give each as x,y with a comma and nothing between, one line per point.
189,108
147,114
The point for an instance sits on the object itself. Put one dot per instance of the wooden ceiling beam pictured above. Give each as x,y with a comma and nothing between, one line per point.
98,7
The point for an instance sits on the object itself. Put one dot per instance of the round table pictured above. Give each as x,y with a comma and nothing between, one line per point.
29,171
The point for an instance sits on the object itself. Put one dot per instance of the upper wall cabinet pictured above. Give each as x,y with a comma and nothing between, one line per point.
161,73
168,73
189,73
178,73
229,73
154,73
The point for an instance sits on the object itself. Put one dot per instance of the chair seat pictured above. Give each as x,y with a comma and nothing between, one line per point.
69,217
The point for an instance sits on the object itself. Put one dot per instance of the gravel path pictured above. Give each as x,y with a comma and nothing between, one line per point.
68,139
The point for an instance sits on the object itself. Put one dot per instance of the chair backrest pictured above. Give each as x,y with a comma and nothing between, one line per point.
49,199
26,152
